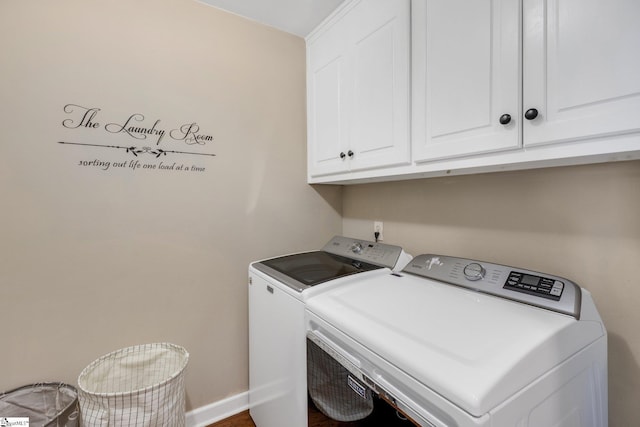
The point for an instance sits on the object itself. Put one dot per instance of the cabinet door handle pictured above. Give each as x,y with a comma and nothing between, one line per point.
350,153
342,155
531,114
505,119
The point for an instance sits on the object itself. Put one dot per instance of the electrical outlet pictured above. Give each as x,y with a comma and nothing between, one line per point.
378,228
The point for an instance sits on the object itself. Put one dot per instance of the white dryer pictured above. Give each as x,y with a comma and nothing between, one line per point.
278,289
452,342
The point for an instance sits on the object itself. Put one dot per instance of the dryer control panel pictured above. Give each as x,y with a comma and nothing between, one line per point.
517,284
544,287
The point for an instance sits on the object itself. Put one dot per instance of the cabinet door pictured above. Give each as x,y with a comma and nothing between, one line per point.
581,69
358,88
379,83
466,75
326,109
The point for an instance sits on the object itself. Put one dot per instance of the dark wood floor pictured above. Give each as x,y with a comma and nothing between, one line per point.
384,416
241,420
316,419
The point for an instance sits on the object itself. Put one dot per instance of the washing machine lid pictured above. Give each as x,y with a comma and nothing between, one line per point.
473,349
303,270
340,257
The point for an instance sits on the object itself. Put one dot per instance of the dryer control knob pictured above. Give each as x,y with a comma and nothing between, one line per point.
356,248
474,271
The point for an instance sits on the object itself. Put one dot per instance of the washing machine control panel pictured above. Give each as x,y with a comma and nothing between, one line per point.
516,284
363,250
356,247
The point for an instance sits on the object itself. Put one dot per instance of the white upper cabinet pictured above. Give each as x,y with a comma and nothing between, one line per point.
326,102
493,85
581,69
466,77
579,79
358,88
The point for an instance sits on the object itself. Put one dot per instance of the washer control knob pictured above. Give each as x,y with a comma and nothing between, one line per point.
474,271
356,248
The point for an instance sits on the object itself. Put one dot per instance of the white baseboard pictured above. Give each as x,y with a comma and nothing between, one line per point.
217,411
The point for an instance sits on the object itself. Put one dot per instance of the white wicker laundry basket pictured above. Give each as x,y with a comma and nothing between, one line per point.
141,386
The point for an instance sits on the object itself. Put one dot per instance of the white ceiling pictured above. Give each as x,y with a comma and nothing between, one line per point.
297,17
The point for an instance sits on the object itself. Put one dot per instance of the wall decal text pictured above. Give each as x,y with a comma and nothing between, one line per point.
137,127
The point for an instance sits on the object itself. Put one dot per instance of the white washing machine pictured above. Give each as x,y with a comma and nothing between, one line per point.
452,342
278,289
